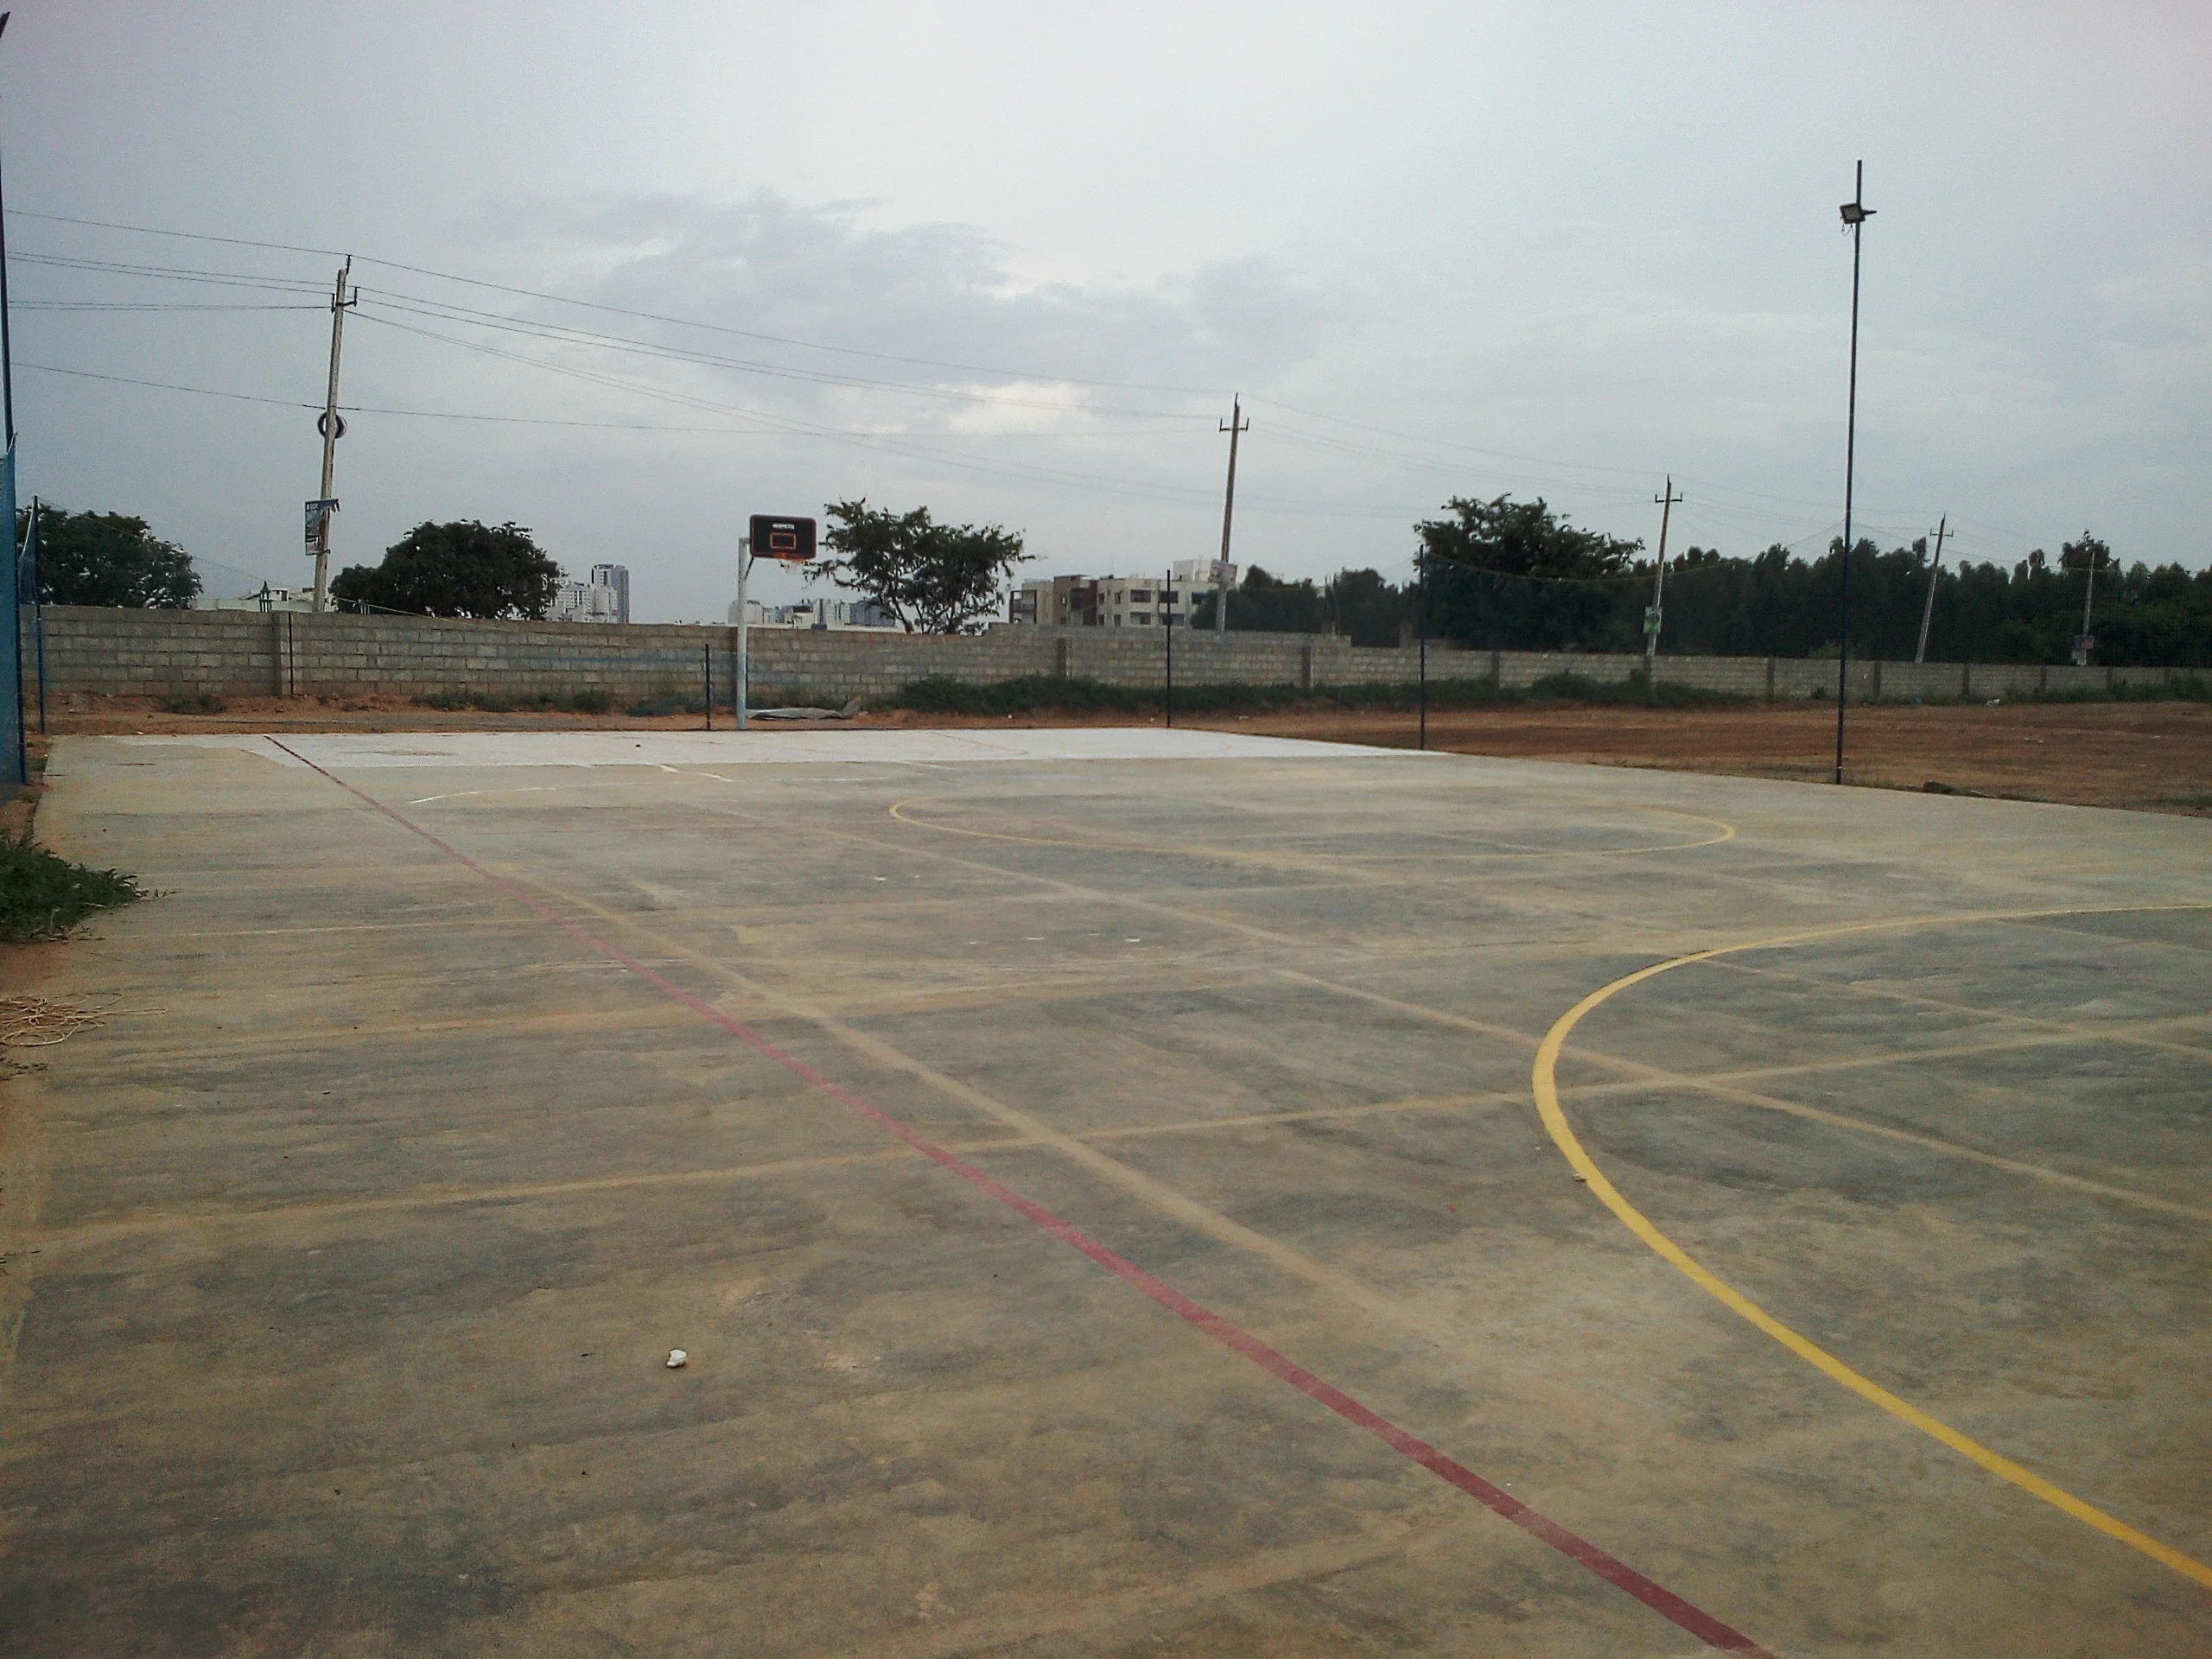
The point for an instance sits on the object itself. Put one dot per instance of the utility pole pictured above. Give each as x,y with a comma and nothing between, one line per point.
1927,611
1236,423
1651,618
2086,643
332,428
1855,214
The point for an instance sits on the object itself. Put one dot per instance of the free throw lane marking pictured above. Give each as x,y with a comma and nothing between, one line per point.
1544,1084
1690,1619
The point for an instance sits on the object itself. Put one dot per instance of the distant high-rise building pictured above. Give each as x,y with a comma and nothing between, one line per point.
616,578
605,598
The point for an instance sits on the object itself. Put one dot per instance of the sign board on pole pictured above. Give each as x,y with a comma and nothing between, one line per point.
319,525
1225,574
1651,618
788,539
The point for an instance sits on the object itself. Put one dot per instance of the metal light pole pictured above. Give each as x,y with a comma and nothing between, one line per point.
1421,632
14,755
1855,214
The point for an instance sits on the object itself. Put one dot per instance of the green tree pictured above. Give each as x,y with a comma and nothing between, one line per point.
1267,604
1513,573
107,558
1366,609
930,578
464,569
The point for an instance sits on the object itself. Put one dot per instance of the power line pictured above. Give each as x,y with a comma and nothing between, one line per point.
506,420
168,273
128,305
438,311
626,311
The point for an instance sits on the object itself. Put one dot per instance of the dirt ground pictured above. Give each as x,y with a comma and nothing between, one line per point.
2149,757
2154,757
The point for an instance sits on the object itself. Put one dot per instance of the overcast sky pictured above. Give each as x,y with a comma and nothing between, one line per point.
1011,262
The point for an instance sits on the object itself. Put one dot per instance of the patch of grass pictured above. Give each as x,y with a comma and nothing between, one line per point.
2192,689
1633,691
194,703
42,896
1040,693
653,708
592,700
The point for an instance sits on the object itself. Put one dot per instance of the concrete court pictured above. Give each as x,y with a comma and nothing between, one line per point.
338,1288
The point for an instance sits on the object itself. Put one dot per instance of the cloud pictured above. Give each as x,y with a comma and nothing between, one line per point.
943,291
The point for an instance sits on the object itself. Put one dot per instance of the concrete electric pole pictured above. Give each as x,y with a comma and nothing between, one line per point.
1652,617
1927,611
1236,423
2086,645
333,427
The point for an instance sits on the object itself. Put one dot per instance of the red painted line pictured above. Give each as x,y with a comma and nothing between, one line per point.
1615,1572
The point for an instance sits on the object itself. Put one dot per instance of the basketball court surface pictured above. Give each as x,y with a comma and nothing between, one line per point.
1118,1192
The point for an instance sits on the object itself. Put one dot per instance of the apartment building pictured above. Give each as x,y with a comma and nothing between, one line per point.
1117,601
605,597
838,614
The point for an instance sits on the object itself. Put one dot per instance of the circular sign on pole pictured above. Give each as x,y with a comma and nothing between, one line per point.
322,424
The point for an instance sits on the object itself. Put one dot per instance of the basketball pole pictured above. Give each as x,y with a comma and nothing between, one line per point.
737,694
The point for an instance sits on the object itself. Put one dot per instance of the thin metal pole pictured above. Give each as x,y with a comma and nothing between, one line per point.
338,303
707,667
1420,633
1236,423
1167,620
744,551
16,650
7,342
1855,214
1927,611
38,619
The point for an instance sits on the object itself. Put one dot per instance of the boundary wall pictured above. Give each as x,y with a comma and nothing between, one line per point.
105,652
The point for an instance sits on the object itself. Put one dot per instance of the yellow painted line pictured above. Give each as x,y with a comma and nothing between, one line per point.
1544,1081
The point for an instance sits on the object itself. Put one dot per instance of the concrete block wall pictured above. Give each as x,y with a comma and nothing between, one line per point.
240,654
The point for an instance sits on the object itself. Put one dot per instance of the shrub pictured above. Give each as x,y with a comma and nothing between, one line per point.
43,896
